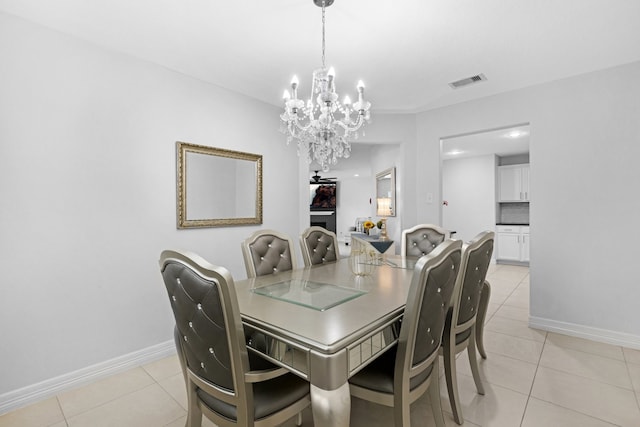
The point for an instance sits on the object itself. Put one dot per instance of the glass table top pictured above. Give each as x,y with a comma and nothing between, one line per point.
315,295
408,263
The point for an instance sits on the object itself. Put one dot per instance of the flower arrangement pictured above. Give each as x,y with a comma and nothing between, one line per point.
368,225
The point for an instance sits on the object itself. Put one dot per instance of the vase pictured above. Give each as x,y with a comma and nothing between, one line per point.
362,261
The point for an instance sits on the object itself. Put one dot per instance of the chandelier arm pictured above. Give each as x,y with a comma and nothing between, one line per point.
350,127
303,128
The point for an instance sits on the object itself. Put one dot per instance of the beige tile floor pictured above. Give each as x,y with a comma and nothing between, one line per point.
532,378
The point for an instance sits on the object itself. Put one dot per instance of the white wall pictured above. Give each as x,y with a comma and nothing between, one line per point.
87,157
469,187
585,145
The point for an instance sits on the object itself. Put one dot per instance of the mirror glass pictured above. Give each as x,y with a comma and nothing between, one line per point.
218,187
386,192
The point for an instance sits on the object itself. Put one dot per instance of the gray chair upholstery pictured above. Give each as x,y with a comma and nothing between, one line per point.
224,382
268,252
406,371
318,246
422,239
460,327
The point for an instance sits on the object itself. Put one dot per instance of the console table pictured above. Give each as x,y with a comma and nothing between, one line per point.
381,246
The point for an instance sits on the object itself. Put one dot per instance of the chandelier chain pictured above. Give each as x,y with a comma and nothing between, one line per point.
323,40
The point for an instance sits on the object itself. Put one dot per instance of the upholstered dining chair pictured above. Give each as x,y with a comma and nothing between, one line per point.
268,252
462,321
406,371
224,382
422,239
318,246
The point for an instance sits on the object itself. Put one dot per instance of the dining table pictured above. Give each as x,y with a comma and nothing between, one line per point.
324,323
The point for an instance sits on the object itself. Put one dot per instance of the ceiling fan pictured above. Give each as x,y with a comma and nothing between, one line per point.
317,179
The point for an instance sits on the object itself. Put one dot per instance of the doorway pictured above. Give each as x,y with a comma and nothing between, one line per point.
469,176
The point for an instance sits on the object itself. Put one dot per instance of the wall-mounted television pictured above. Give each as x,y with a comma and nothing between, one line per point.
322,196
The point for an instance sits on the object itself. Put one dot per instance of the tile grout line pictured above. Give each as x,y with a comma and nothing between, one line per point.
110,400
635,392
590,379
524,412
157,381
66,422
534,380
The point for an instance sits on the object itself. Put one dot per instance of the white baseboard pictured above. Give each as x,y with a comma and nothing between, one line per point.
36,392
595,334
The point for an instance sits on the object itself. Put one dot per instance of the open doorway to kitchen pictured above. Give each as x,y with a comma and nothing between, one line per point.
477,168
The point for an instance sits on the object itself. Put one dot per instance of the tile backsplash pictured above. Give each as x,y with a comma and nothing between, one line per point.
514,213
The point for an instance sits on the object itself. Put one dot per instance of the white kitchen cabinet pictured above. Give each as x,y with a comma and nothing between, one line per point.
512,243
513,183
525,245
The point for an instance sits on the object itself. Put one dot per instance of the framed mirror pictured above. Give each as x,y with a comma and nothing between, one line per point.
217,187
386,192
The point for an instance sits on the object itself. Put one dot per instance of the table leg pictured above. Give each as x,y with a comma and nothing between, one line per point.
331,408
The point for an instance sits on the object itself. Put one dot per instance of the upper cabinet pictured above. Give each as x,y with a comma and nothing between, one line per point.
513,183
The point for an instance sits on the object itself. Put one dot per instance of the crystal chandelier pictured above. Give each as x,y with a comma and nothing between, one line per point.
320,134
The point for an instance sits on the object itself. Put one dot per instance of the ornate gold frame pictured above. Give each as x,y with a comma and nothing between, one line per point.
182,148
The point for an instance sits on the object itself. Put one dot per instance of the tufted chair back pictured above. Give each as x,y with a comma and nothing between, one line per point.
318,246
422,239
201,323
460,327
473,272
433,285
268,252
208,331
398,383
210,340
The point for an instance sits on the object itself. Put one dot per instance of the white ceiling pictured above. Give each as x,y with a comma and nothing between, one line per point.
405,51
501,142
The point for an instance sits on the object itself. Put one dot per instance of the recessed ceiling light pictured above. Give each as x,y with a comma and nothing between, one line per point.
515,134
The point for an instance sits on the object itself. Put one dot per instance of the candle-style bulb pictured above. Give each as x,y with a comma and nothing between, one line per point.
331,72
286,96
360,86
347,100
294,86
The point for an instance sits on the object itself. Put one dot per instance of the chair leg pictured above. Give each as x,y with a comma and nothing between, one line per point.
401,409
194,414
485,294
449,353
473,361
434,395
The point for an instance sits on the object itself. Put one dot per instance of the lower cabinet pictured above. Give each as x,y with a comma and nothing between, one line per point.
512,243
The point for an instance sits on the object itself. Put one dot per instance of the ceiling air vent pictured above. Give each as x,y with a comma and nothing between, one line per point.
469,80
